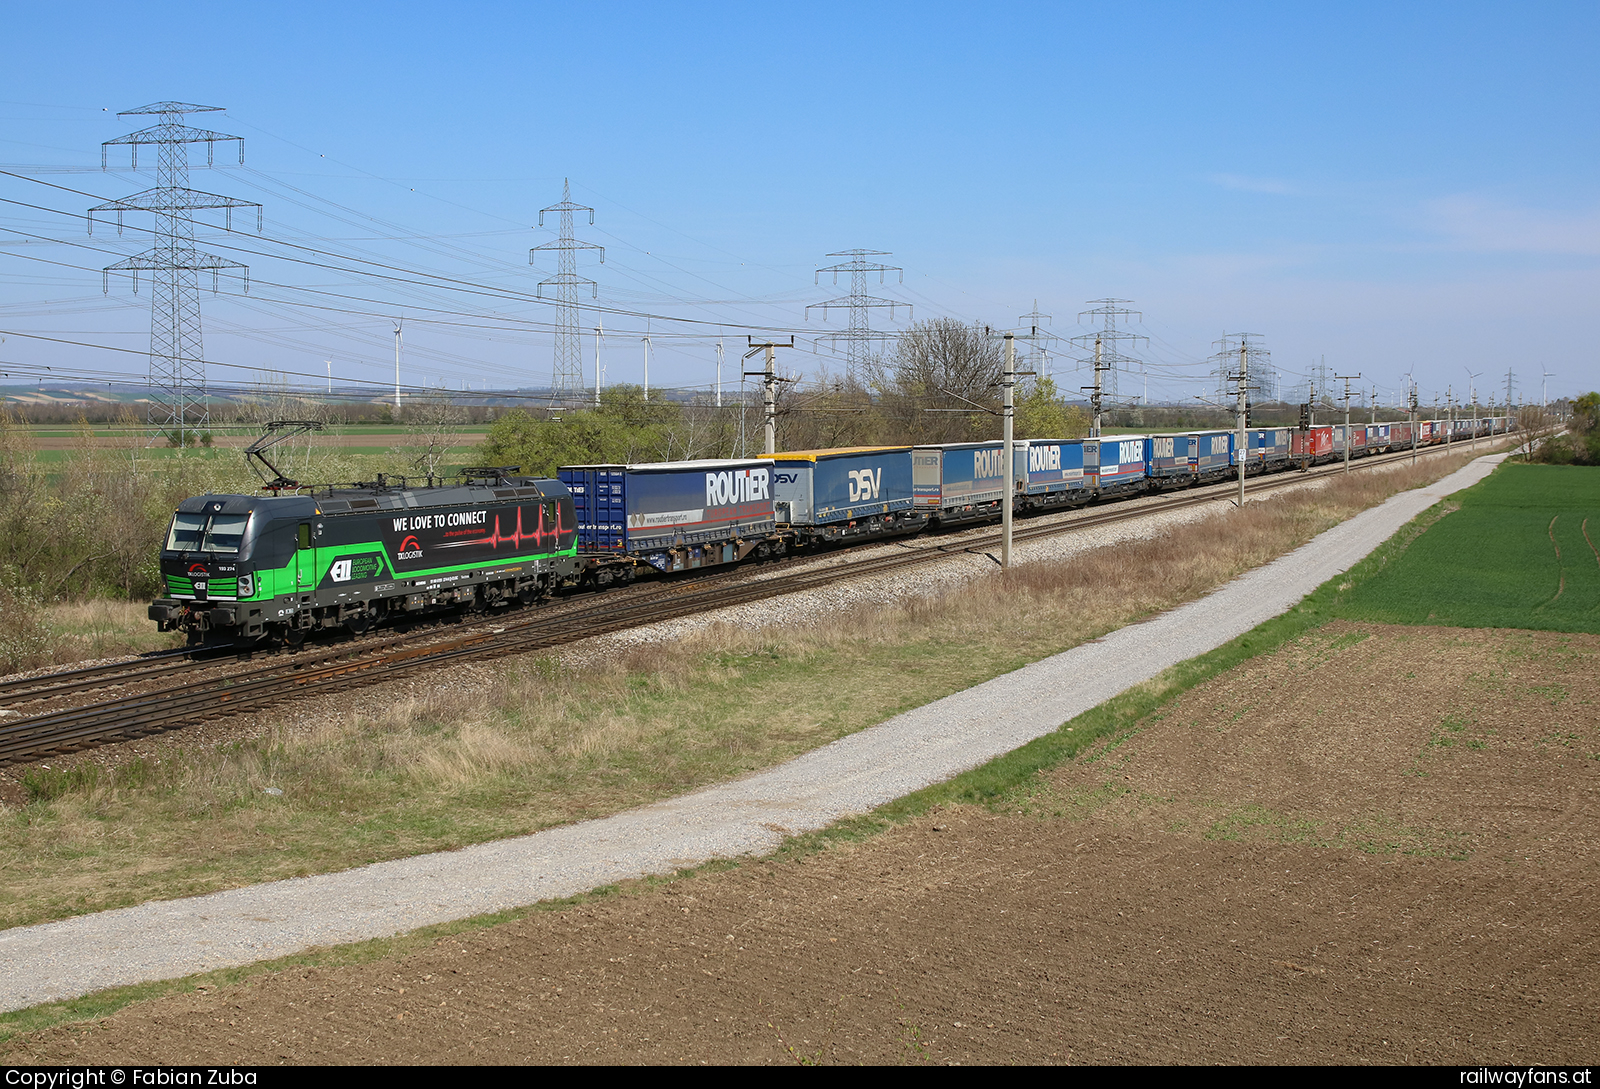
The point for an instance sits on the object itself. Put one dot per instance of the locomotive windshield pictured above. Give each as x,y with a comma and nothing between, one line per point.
206,532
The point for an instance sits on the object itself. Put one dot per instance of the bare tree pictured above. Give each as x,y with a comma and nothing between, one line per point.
433,426
933,385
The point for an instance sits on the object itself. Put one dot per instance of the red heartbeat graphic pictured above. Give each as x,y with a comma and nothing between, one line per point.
542,536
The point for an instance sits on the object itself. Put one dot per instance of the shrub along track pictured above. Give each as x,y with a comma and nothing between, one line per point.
374,661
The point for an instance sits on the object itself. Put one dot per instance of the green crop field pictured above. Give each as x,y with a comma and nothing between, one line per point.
1523,551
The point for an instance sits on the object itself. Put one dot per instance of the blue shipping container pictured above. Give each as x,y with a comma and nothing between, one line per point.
649,508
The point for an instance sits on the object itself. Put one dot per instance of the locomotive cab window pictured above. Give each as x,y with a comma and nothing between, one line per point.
305,535
207,532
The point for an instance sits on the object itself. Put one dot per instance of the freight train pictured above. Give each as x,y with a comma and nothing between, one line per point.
239,569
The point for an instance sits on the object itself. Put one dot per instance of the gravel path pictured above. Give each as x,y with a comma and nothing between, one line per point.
169,939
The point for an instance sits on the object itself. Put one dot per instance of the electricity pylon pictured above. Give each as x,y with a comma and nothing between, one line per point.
858,340
1258,363
566,377
1040,355
1104,342
178,401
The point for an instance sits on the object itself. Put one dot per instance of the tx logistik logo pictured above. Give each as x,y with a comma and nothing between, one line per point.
736,486
410,549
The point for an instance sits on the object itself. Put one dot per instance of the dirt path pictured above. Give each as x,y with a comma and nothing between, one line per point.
1377,845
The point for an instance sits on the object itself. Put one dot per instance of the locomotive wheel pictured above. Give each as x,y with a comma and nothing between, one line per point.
294,636
358,623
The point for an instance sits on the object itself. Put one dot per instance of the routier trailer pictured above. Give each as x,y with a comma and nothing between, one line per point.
1171,461
671,516
1049,473
242,567
1271,446
1266,447
1117,465
836,495
1212,454
958,482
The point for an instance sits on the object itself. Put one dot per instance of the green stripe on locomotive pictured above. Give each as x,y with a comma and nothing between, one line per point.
285,581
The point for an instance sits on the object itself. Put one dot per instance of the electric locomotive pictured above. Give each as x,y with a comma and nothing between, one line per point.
242,568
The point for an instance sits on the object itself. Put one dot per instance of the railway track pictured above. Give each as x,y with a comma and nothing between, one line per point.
375,661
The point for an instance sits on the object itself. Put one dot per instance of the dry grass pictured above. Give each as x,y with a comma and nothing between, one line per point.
34,634
539,744
103,628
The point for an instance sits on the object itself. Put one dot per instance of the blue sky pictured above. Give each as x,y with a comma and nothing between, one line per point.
1391,187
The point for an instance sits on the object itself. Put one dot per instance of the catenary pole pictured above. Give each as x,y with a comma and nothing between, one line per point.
1008,386
769,390
1243,444
397,371
1347,379
769,404
1412,405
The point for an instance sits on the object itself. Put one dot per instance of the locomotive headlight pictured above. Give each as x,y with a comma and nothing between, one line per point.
247,585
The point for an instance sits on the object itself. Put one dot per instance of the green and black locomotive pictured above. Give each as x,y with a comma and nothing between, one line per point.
241,568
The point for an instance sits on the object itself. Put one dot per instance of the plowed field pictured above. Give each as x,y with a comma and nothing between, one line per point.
1376,845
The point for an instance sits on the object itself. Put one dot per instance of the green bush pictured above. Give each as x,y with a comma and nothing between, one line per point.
1581,443
25,641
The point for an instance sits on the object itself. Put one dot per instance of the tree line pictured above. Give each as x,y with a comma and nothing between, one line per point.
940,383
